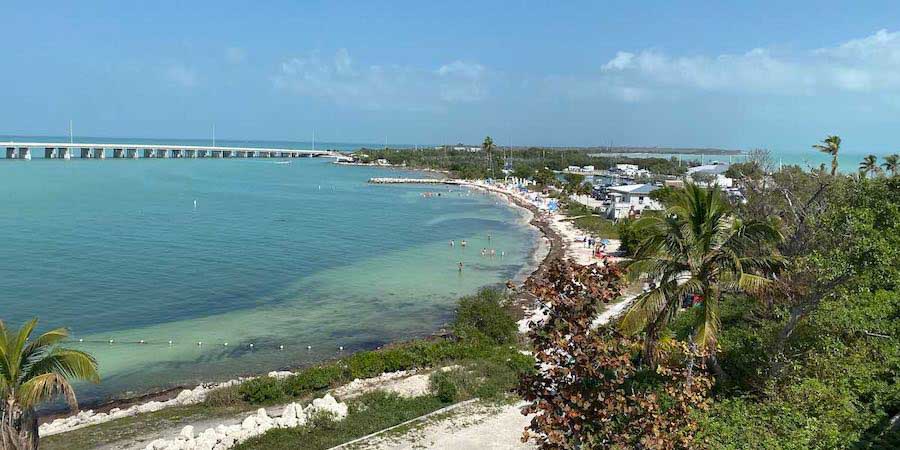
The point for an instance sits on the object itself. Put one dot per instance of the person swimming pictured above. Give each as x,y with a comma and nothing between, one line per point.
460,266
463,243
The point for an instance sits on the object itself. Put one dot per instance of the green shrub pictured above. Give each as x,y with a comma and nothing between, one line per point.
226,396
482,317
262,390
394,359
313,378
365,364
442,386
629,236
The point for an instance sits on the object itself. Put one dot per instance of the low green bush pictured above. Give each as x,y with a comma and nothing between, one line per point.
313,378
226,396
443,387
483,317
262,390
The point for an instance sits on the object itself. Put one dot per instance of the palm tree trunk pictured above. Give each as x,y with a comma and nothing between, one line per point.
648,356
834,165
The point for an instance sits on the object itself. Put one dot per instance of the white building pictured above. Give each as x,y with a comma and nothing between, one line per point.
716,170
630,170
573,169
588,168
630,200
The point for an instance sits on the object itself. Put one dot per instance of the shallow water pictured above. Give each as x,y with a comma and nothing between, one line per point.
294,255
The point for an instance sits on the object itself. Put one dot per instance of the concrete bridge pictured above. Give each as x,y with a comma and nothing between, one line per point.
62,150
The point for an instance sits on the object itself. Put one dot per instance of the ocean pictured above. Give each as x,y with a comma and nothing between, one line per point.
239,251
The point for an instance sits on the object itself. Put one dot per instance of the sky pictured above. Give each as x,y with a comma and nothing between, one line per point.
744,75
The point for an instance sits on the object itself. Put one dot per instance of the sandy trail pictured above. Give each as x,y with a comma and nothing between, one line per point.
475,426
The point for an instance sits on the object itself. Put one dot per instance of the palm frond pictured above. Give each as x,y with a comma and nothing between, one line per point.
645,309
44,387
70,363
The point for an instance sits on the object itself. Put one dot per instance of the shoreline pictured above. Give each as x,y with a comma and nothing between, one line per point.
100,410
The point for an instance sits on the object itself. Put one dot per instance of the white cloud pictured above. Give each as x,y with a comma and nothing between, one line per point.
235,55
180,75
859,65
381,87
621,61
462,82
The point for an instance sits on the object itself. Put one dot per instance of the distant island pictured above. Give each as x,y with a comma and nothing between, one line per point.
603,149
665,150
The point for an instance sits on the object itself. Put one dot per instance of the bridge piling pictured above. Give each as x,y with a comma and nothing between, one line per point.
66,150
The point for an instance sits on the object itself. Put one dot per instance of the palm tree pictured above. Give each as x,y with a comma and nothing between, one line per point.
831,145
488,146
869,165
33,371
696,248
891,164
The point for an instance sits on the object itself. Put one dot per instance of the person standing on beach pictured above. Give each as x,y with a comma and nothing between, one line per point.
463,242
451,242
460,266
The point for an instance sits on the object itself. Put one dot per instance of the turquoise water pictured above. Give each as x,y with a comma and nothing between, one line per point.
294,255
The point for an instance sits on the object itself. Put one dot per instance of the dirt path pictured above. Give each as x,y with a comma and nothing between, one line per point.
476,426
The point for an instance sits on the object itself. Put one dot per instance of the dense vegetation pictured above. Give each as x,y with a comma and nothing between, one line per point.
524,162
798,309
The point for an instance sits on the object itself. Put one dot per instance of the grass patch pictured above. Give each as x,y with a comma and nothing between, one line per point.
486,378
224,397
575,209
367,414
597,226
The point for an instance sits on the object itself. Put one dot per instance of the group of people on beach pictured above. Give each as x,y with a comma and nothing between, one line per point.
598,246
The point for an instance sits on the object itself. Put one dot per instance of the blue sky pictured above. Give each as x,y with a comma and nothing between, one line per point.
766,74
